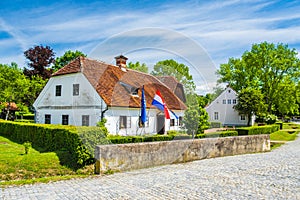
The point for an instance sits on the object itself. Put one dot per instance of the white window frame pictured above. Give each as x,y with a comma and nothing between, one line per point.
85,120
216,115
75,89
243,117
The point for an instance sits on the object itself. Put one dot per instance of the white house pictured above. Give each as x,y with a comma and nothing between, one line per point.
221,110
85,91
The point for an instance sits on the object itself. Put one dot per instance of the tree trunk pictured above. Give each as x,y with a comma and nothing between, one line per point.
7,113
249,119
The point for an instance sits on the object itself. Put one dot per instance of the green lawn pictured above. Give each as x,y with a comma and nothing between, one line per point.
288,133
16,167
284,135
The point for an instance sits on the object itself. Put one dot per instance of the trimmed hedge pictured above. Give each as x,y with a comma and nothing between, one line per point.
217,134
78,141
215,124
117,139
256,130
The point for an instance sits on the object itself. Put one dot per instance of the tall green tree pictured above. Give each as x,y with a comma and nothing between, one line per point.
250,102
40,58
65,59
287,104
13,86
177,70
266,67
138,67
195,117
34,88
13,83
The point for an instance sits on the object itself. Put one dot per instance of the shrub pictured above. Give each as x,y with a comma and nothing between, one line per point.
256,130
27,146
215,124
117,139
25,120
217,134
270,119
280,124
79,142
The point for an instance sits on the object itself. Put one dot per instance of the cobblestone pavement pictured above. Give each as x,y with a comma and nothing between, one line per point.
272,175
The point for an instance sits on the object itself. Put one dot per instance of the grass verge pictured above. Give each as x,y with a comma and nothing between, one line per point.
18,168
288,133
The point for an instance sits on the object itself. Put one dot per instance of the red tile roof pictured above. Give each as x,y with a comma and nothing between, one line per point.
11,105
109,81
174,85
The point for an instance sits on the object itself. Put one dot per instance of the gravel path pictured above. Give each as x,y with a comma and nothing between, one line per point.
272,175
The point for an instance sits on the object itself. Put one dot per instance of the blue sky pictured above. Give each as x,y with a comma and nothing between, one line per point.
201,34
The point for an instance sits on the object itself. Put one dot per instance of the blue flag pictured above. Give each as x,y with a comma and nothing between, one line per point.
143,107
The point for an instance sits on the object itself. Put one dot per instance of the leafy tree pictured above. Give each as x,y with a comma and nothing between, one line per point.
34,88
195,117
250,102
13,85
177,70
65,59
191,120
287,103
40,58
266,67
137,66
216,92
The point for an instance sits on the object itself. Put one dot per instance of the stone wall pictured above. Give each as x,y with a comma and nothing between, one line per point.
124,157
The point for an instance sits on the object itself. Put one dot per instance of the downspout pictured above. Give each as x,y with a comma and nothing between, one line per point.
103,111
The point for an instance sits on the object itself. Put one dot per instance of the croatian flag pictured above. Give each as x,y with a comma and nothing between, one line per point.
159,102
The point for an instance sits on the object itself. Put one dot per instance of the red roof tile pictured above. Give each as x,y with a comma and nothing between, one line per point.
11,105
174,85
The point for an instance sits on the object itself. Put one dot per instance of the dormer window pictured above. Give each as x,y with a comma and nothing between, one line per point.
130,89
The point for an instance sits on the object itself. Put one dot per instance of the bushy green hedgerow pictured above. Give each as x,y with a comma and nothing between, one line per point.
116,139
215,124
217,134
78,141
256,130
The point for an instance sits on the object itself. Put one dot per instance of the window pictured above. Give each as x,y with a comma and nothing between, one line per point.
75,89
85,120
229,91
47,119
58,90
243,117
65,120
224,101
216,116
172,122
180,121
125,122
229,101
233,101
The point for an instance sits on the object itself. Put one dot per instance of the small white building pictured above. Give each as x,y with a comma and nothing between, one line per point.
86,91
221,110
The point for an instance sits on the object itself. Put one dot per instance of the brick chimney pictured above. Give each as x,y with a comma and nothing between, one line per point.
121,61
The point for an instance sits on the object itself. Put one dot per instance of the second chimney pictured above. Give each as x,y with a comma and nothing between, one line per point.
121,61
